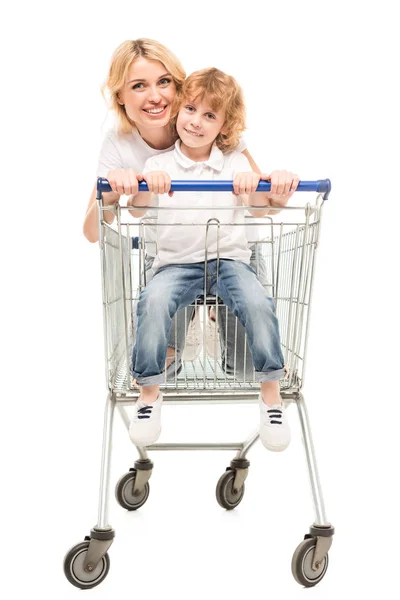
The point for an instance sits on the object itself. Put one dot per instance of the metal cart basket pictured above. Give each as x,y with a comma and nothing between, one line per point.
283,252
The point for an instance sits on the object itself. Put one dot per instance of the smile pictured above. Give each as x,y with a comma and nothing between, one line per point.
193,133
155,111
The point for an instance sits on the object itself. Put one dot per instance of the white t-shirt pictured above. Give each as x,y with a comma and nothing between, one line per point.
181,234
130,151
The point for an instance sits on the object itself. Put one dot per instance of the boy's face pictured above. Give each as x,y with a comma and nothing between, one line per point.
197,124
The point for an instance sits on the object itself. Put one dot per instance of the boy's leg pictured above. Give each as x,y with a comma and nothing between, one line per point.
241,291
244,295
171,288
179,328
235,350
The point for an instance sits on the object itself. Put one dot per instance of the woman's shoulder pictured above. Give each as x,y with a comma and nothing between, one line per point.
117,137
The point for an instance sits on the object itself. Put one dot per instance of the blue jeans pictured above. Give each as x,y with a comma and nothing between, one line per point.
235,352
175,286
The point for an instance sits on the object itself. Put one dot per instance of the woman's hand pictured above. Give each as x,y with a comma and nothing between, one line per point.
158,182
283,186
124,181
245,183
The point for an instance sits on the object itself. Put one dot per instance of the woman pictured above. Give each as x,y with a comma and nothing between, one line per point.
143,80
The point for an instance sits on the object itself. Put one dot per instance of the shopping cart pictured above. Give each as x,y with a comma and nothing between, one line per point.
285,252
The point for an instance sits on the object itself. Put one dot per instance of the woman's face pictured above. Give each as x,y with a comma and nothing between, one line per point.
148,93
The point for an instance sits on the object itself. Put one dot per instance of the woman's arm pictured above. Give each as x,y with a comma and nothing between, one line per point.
141,199
122,181
90,224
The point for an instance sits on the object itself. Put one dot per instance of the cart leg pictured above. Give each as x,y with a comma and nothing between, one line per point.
310,559
321,520
102,522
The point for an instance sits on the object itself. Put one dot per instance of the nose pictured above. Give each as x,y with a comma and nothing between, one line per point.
195,121
154,95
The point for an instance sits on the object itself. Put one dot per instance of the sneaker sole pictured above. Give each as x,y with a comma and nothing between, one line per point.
275,448
144,444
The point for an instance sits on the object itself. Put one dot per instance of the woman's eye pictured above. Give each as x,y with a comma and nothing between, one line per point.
137,86
165,81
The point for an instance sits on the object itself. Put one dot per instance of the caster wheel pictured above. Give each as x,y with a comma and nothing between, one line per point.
227,497
124,492
76,574
302,561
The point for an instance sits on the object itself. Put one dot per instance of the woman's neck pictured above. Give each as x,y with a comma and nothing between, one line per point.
159,138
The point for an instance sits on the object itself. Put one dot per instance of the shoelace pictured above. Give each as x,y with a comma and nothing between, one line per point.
145,412
273,414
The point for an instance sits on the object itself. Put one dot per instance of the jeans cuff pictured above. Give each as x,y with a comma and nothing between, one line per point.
151,380
262,376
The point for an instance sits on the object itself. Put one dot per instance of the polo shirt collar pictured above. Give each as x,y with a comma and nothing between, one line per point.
215,161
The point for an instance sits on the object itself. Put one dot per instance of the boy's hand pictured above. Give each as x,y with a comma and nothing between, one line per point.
283,186
124,181
158,182
245,183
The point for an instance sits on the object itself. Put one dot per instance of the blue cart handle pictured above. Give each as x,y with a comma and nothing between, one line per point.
322,186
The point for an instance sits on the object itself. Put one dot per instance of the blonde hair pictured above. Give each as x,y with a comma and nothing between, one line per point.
122,59
222,92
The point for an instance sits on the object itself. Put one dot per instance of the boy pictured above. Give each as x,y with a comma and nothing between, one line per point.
209,123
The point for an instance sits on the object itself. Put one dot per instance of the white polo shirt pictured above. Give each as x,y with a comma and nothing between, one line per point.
130,151
181,234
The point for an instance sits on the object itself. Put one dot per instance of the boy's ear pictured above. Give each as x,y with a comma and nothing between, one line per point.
224,129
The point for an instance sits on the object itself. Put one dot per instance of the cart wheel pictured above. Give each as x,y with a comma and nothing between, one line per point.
227,497
124,492
76,574
302,561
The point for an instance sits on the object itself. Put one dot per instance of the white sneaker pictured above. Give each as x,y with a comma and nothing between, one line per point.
213,343
145,427
194,338
274,426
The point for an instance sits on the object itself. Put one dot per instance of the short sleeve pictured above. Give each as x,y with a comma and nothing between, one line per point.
109,157
240,164
242,144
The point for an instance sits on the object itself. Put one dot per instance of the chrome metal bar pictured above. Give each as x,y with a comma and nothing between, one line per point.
124,415
102,520
248,444
225,446
122,267
298,314
130,284
238,208
218,397
320,203
103,270
276,289
289,339
311,463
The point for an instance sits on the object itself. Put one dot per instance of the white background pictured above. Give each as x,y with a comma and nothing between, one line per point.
320,81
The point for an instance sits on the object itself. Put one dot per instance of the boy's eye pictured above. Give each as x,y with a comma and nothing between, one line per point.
210,116
189,108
